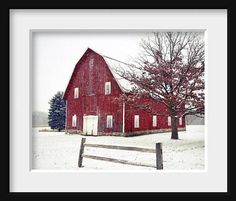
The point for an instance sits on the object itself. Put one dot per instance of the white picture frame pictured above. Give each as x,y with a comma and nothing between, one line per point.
212,179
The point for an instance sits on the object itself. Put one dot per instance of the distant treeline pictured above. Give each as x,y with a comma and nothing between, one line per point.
194,120
39,119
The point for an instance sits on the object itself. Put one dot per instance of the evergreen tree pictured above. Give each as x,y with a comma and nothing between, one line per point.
57,112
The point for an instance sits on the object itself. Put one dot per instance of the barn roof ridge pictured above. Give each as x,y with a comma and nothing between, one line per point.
89,48
116,60
124,85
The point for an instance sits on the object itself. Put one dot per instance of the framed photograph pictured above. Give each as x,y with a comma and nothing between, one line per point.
68,75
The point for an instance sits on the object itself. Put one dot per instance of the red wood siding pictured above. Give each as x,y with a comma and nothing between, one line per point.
92,100
145,117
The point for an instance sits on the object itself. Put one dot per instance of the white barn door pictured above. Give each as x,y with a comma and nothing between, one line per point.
90,125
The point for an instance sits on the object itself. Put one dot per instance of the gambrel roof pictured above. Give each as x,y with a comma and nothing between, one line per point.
114,66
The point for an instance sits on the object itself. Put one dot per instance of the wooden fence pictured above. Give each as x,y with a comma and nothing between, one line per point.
157,151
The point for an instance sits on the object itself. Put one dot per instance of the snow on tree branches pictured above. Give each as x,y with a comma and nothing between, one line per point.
170,69
57,112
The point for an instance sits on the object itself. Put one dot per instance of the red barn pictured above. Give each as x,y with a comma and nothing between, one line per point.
91,108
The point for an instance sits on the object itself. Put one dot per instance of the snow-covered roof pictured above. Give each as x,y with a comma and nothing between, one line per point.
115,67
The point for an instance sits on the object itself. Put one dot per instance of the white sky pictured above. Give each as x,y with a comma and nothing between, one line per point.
55,56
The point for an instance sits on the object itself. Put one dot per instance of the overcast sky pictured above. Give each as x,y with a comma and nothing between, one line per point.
55,56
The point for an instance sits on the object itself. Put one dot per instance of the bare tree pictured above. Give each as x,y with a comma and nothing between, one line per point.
170,70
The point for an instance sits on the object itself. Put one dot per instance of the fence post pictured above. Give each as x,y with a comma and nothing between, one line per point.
83,140
159,157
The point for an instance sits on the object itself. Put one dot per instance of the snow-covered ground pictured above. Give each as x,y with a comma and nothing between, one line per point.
54,150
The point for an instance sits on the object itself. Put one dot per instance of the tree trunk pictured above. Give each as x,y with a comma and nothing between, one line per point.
174,129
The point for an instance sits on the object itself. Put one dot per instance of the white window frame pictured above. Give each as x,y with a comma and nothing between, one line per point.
74,120
76,92
109,121
169,121
136,121
154,121
107,88
180,121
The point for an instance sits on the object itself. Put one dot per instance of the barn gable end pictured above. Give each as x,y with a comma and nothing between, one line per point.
111,65
90,76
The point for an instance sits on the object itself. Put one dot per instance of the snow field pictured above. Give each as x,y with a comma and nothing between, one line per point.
54,150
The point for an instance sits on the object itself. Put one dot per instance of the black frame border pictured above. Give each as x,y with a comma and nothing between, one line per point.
5,81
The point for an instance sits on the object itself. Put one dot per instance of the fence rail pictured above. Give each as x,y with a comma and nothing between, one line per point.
157,151
121,148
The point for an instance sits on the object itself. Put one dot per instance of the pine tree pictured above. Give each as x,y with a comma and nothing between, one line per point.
57,112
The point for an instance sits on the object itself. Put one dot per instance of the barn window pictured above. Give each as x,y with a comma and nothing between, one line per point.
109,121
136,121
169,121
76,92
154,120
107,88
180,121
74,120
